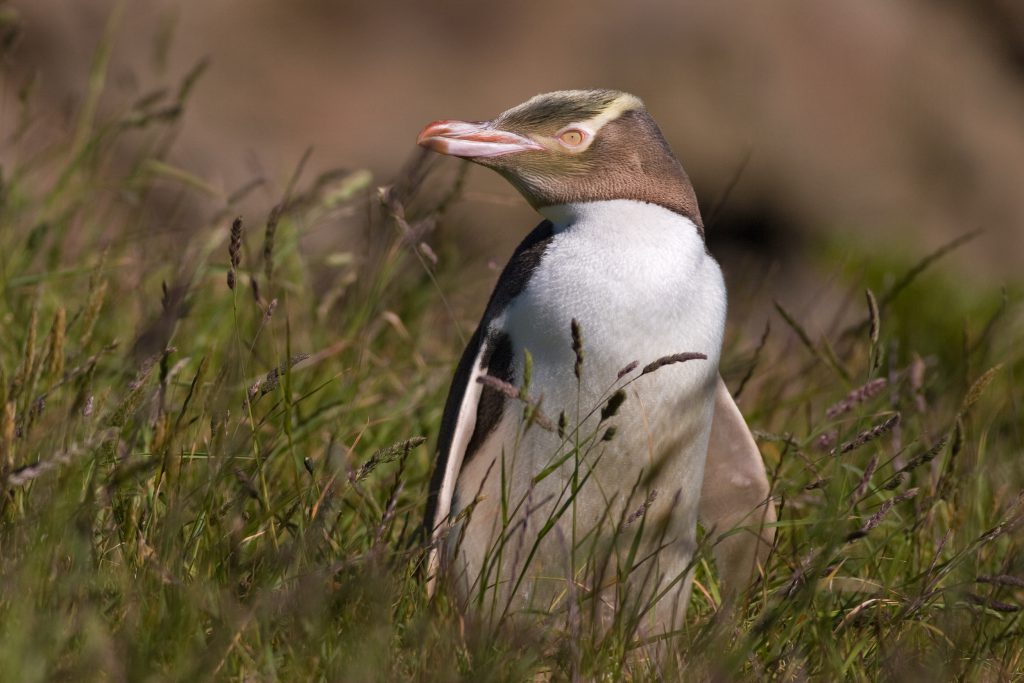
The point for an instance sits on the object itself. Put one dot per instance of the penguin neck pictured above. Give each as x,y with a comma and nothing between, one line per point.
629,211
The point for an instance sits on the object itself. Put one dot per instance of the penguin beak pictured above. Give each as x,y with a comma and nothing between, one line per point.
472,139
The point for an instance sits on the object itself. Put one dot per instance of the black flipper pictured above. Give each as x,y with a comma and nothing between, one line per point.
493,349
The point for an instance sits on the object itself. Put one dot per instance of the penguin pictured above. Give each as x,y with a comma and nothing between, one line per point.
587,428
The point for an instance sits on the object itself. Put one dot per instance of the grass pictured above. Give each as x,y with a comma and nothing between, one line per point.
206,482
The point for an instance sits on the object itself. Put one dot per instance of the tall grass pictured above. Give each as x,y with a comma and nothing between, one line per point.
211,482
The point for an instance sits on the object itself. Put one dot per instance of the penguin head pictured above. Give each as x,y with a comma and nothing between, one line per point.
573,146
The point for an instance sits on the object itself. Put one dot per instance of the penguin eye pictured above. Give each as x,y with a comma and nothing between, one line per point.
572,137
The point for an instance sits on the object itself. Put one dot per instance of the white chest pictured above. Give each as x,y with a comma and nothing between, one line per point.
639,281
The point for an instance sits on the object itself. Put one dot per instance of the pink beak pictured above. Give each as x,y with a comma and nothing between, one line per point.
469,139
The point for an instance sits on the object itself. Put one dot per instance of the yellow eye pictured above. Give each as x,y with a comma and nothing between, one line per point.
572,138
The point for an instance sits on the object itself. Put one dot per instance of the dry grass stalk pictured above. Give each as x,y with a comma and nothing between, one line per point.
993,604
923,265
28,473
133,398
387,454
858,395
426,250
7,431
501,386
895,482
869,471
917,370
832,358
826,440
798,328
1002,580
873,317
877,518
925,457
534,413
273,378
55,345
612,406
577,346
248,485
642,510
754,360
271,307
671,360
1013,517
35,410
875,325
867,436
234,250
24,475
268,244
628,369
390,507
978,388
254,286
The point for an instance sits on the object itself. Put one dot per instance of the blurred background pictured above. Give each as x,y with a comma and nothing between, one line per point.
808,127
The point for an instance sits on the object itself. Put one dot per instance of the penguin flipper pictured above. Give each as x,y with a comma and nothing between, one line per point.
457,426
735,494
471,411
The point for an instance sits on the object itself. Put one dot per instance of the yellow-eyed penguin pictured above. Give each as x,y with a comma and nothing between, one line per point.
514,510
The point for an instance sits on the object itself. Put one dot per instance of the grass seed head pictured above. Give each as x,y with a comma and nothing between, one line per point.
857,396
55,345
395,451
867,436
884,510
873,317
271,307
234,250
577,346
672,360
869,471
1002,580
628,369
642,510
501,386
993,604
895,482
613,405
254,285
926,456
268,243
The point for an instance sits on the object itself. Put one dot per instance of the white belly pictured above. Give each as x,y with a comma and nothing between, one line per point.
638,280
